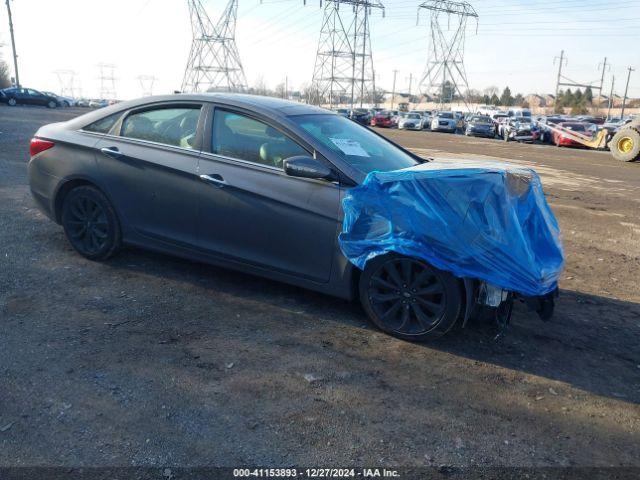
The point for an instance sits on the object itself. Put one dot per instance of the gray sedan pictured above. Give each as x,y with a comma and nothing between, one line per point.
245,182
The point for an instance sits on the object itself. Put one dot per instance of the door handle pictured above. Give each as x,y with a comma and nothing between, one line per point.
112,152
215,179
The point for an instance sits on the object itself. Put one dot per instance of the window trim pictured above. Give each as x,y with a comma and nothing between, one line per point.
240,111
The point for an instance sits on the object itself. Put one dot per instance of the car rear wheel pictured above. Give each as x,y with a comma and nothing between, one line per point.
12,102
408,298
90,223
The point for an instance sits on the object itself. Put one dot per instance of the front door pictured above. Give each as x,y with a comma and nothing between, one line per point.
251,211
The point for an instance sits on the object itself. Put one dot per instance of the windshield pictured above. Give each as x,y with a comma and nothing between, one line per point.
414,116
445,115
481,120
353,143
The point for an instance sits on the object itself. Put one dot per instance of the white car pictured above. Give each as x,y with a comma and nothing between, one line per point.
444,122
410,121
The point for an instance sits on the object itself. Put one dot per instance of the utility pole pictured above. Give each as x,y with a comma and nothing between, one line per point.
410,82
613,82
13,45
393,92
561,63
604,69
626,91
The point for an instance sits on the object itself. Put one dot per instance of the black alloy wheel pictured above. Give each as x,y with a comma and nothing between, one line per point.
409,298
90,223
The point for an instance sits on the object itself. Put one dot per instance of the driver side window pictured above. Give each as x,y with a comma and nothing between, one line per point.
241,137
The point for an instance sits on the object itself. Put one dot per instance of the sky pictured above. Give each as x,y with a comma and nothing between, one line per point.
515,44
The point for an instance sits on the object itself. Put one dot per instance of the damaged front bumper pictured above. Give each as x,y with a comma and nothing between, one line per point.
484,298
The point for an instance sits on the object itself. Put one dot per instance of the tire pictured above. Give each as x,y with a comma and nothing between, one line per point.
505,136
66,104
625,145
12,102
390,287
52,104
90,223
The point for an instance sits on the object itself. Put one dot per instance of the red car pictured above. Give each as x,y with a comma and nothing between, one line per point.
383,119
561,140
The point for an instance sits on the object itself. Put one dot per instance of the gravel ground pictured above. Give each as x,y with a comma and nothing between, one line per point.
151,360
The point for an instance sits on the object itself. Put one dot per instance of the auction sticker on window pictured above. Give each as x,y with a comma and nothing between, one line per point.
349,147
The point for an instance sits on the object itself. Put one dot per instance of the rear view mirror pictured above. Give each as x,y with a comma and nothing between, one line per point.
306,167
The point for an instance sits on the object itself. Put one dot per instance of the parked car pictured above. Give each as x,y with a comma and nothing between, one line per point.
343,112
591,119
480,126
83,102
520,129
499,119
28,96
98,103
543,123
410,121
218,178
360,115
63,101
560,140
383,119
444,122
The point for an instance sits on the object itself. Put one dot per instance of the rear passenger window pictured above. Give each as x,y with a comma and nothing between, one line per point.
242,137
103,125
169,125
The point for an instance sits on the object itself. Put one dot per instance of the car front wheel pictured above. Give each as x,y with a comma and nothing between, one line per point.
408,298
90,223
12,102
52,104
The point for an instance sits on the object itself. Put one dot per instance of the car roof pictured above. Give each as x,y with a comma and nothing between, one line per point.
268,106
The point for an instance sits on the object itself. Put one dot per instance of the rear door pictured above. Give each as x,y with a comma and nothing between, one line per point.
250,211
149,163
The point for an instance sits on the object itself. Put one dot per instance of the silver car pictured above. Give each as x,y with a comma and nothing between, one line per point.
410,121
444,122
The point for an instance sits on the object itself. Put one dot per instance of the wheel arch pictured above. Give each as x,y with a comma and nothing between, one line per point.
69,184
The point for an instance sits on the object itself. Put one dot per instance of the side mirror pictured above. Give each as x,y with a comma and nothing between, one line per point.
306,167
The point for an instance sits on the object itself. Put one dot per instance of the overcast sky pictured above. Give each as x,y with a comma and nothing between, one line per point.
515,45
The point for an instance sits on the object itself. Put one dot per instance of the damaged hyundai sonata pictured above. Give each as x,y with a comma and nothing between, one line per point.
300,195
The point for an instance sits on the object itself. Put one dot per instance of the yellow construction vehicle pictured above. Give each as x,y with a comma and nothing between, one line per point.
625,145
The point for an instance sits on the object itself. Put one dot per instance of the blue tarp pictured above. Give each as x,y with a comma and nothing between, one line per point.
488,221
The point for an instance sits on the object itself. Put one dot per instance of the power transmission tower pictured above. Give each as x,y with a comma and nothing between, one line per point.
445,74
626,91
146,84
214,62
107,81
344,65
67,79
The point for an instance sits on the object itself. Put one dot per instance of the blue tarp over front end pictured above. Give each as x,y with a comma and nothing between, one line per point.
488,221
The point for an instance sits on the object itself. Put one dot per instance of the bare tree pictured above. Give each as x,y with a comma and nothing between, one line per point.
5,78
491,91
260,87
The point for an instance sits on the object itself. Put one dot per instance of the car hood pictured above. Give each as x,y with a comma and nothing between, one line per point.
488,221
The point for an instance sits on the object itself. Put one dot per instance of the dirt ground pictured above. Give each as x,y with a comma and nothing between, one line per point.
151,360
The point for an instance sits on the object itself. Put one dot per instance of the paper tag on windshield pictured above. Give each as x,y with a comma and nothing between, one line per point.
349,147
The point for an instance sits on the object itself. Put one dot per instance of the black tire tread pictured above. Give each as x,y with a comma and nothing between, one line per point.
116,241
